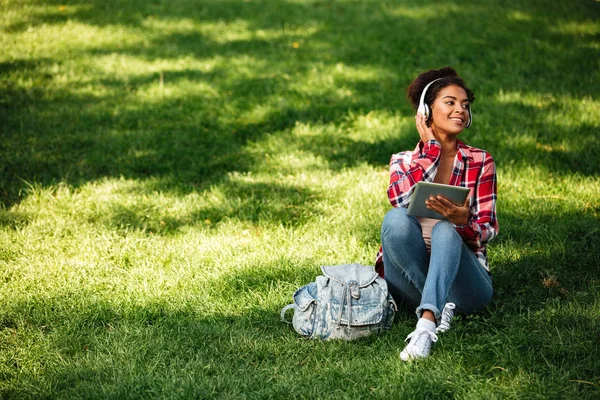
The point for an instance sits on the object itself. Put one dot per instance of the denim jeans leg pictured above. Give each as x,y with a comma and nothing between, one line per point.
454,275
405,256
472,288
446,249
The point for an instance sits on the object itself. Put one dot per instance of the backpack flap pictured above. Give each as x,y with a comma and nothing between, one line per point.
361,274
303,299
304,315
355,297
350,311
305,296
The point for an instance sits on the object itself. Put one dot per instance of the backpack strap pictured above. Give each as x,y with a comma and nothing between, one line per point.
284,310
350,290
348,301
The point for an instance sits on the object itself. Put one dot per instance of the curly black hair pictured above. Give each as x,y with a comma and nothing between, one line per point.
448,77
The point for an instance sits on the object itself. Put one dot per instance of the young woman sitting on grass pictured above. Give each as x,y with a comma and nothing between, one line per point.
438,265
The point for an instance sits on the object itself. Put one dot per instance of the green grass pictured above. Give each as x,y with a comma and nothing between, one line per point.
171,171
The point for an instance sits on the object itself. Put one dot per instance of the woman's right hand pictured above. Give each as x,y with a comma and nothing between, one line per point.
425,132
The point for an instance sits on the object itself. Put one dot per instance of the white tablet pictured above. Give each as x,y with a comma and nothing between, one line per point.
424,190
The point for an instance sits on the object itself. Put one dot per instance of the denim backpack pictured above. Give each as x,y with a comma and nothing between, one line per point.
348,301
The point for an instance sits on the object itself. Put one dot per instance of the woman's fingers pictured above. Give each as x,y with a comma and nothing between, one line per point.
456,214
445,202
425,132
435,205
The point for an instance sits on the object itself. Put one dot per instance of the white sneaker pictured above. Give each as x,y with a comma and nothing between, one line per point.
419,345
447,314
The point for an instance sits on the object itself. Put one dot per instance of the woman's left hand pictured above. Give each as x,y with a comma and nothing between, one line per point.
458,215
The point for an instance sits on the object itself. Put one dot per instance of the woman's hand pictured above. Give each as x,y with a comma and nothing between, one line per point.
458,215
425,132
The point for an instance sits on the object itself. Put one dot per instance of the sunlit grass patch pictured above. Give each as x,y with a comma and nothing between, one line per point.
582,28
561,111
430,11
71,39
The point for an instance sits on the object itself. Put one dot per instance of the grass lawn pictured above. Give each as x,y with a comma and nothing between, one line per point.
172,170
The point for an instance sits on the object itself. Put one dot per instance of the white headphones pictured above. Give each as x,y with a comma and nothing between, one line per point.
424,108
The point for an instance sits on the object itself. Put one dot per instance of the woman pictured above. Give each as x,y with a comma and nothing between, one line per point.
437,265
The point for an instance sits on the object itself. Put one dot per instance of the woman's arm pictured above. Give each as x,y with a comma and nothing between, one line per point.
483,224
408,168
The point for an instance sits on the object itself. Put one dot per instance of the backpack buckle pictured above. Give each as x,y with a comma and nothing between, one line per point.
354,289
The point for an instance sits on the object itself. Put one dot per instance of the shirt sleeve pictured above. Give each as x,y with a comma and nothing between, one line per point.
408,168
483,224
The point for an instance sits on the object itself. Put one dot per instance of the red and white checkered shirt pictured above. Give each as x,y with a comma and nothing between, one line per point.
473,168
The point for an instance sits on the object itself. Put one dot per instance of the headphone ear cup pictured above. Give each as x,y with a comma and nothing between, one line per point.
470,120
426,112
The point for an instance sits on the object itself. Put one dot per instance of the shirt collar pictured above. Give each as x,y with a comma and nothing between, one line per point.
463,149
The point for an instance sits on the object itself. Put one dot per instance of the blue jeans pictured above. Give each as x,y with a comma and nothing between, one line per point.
451,273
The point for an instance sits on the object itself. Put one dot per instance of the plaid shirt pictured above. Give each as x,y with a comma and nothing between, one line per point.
473,168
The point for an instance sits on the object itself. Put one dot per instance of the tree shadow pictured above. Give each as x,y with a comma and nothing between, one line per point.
61,135
91,341
563,246
507,142
57,134
255,202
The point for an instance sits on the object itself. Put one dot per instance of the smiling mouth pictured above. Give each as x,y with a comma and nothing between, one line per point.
456,119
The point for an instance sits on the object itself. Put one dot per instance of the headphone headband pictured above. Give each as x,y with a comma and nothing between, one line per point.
422,106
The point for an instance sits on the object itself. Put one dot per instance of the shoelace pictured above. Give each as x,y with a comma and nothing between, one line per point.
447,315
420,336
419,332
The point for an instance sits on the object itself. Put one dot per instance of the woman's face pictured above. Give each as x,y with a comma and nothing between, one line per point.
450,110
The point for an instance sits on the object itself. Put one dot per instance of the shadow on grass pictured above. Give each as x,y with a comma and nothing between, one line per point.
91,346
225,337
557,48
77,138
54,134
555,254
499,128
254,202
